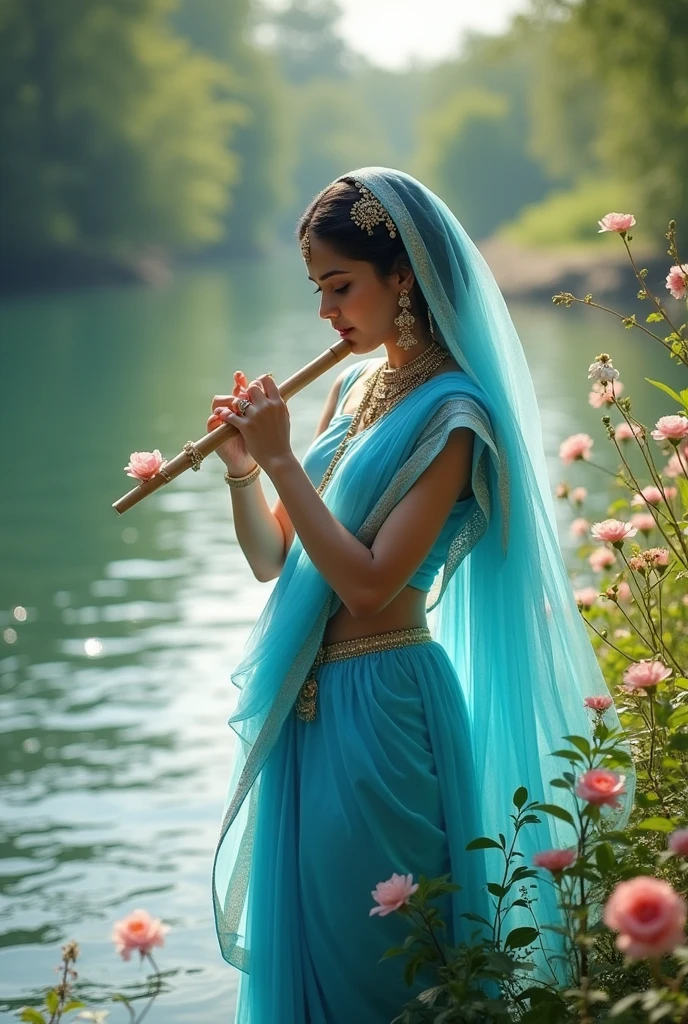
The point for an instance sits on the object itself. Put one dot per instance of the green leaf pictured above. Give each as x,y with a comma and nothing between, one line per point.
31,1015
520,937
73,1004
653,318
604,856
497,890
656,825
568,755
520,797
484,843
580,743
680,683
665,387
556,812
52,1001
678,718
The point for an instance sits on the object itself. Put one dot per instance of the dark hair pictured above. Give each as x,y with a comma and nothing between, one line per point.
328,217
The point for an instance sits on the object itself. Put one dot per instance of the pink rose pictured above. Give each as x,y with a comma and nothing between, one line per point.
575,447
392,894
626,432
650,495
624,592
613,531
677,281
578,495
619,222
657,556
579,527
646,673
586,597
678,842
600,559
643,521
601,786
598,703
138,931
144,465
600,395
670,428
649,915
554,860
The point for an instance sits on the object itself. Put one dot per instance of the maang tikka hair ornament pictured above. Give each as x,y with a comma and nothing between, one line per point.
368,211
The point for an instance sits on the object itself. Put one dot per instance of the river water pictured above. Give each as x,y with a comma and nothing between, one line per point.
117,635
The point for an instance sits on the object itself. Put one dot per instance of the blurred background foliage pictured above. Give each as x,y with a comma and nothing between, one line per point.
168,130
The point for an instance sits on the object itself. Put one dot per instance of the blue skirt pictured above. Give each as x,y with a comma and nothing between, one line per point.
382,781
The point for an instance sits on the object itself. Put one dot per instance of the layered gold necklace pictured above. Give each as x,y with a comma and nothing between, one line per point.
384,388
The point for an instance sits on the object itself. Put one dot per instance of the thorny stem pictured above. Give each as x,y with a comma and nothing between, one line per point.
620,316
158,989
634,627
63,990
428,924
640,601
609,643
643,285
507,861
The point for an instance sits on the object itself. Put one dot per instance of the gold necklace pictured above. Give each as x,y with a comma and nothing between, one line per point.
372,405
394,383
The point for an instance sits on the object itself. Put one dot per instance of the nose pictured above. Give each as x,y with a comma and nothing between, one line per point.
328,308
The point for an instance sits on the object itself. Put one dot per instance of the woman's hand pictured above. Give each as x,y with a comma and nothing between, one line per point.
264,425
233,452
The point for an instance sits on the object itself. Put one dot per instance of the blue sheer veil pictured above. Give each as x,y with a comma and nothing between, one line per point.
504,611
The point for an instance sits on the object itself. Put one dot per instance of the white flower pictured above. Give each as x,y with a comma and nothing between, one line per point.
602,369
95,1016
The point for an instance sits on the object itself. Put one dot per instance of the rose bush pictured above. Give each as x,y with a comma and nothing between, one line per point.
623,893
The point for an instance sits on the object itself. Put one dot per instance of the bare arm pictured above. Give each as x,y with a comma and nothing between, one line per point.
264,534
367,579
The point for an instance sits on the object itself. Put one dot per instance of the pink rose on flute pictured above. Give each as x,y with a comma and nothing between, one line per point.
144,465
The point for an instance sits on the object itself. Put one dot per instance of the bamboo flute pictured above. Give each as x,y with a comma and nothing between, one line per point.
195,451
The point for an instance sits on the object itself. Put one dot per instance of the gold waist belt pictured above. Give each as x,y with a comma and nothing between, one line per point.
306,702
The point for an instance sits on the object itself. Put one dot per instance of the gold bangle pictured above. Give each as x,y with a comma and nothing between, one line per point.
243,481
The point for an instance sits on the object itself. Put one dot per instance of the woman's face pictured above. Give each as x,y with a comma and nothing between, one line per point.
358,303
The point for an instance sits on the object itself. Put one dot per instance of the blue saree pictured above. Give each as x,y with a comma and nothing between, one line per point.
415,751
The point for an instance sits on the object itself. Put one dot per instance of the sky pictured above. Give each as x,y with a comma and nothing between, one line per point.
392,33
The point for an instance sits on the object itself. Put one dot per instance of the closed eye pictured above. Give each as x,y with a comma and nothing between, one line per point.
338,291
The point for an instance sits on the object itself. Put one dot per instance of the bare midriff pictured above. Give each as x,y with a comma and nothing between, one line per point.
407,609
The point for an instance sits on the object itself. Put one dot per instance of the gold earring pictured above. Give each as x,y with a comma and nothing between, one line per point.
405,322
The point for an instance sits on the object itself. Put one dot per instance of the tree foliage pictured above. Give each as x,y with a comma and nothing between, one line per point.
115,130
631,58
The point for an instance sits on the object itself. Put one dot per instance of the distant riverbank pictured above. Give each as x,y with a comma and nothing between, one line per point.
521,272
540,273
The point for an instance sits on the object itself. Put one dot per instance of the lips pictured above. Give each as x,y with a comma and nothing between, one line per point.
343,330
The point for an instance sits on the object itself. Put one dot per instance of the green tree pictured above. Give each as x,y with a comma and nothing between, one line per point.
633,56
116,132
220,29
305,39
474,132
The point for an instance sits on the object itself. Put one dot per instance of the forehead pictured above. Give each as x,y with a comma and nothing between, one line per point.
325,258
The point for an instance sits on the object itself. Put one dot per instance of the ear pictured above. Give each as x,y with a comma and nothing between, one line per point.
403,275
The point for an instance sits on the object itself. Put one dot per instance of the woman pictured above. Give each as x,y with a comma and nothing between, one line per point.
369,744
